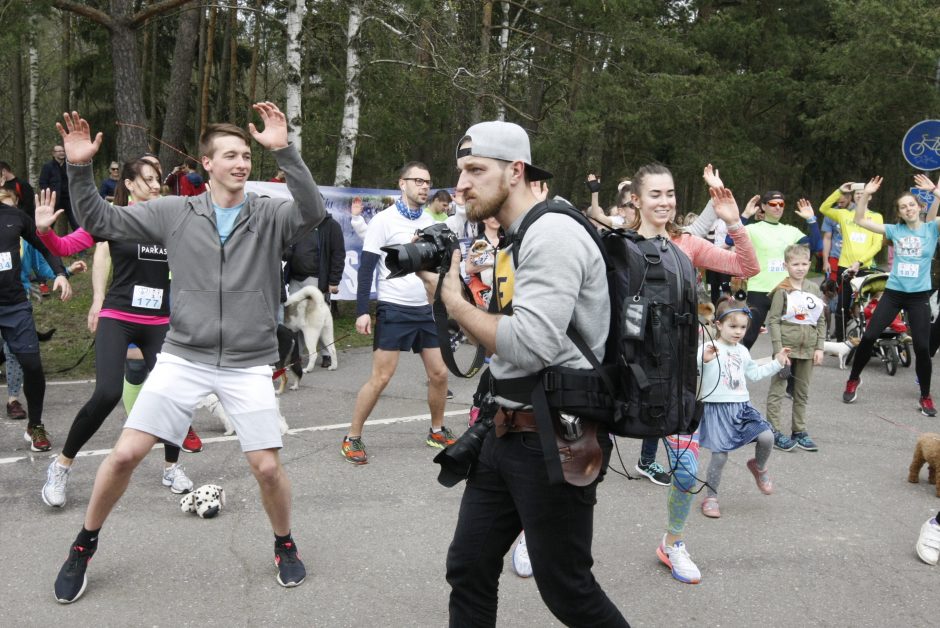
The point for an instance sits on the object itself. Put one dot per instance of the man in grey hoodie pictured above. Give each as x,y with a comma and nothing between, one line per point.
224,252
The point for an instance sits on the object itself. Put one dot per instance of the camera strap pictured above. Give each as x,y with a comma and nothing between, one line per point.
443,333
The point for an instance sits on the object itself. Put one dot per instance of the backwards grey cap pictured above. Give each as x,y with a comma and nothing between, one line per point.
501,140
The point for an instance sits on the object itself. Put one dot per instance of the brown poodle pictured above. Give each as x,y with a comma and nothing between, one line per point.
927,450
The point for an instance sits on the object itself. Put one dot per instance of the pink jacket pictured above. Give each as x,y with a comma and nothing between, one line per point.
741,262
77,241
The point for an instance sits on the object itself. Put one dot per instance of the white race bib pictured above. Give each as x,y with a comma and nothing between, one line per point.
858,237
906,269
6,261
147,298
776,266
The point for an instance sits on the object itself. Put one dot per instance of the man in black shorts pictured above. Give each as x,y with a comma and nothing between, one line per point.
403,319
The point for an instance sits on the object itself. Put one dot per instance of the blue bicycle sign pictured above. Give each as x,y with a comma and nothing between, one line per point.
921,145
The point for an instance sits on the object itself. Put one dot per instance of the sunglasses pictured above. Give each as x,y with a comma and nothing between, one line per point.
775,203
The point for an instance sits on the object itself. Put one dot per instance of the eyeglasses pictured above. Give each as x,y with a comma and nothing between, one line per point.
775,203
114,169
418,181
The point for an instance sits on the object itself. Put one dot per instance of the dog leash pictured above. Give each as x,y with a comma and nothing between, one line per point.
900,425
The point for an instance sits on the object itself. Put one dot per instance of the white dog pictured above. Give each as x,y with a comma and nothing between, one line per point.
839,349
214,406
307,311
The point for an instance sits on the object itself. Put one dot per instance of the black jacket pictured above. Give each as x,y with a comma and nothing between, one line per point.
15,224
322,248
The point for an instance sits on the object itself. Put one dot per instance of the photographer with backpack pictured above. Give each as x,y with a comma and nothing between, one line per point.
513,483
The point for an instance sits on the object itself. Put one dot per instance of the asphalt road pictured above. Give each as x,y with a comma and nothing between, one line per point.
832,547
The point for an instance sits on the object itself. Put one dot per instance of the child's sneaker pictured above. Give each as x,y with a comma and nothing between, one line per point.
677,558
654,471
783,442
763,480
804,442
851,390
928,543
710,507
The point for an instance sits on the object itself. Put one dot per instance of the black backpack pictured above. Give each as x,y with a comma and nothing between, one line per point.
647,383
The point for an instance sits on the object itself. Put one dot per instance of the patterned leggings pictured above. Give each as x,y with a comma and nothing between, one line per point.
683,459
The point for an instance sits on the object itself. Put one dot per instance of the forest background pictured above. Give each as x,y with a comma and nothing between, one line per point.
796,96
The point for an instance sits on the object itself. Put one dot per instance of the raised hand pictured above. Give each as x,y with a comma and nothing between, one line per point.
923,182
46,213
274,135
356,208
710,174
709,353
76,138
752,206
846,188
725,206
804,209
873,184
593,183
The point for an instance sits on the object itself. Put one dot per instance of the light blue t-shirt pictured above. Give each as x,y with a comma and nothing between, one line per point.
831,226
913,251
225,219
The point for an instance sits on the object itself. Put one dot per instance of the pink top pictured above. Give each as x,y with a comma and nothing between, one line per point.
741,262
73,243
140,319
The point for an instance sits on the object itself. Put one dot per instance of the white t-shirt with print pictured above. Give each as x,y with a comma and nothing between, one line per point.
388,228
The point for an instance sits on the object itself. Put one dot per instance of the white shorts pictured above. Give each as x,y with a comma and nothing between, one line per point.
166,402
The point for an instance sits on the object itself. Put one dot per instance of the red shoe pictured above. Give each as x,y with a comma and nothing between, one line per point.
43,289
192,443
926,406
37,437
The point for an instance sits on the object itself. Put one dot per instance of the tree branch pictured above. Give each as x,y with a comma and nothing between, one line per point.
155,9
99,17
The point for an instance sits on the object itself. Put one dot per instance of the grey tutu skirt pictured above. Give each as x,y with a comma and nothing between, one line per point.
729,425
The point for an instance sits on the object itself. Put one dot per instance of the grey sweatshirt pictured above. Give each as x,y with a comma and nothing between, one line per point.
223,299
559,278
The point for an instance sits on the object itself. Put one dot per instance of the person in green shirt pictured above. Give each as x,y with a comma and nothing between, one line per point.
770,238
437,205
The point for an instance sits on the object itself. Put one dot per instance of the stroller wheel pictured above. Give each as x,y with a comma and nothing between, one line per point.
904,352
892,359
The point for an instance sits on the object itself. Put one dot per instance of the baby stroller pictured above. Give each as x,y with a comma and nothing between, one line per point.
893,345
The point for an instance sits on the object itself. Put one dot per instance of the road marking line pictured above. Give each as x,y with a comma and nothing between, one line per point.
298,430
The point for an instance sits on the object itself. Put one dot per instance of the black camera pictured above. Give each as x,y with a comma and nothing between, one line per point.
457,460
432,251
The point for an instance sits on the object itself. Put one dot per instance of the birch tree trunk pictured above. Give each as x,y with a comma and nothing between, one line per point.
178,89
295,19
349,132
34,147
503,62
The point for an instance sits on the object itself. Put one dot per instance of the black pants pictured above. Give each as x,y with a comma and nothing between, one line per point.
917,306
111,342
759,304
507,492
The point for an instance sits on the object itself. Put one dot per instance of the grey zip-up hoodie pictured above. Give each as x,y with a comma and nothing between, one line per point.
223,299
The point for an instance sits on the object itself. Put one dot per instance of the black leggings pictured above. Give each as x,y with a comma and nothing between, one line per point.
111,342
917,306
34,385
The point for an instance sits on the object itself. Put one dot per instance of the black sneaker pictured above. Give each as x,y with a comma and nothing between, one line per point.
450,393
290,569
326,362
655,472
71,581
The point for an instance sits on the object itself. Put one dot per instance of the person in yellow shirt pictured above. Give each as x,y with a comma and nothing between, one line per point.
859,245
